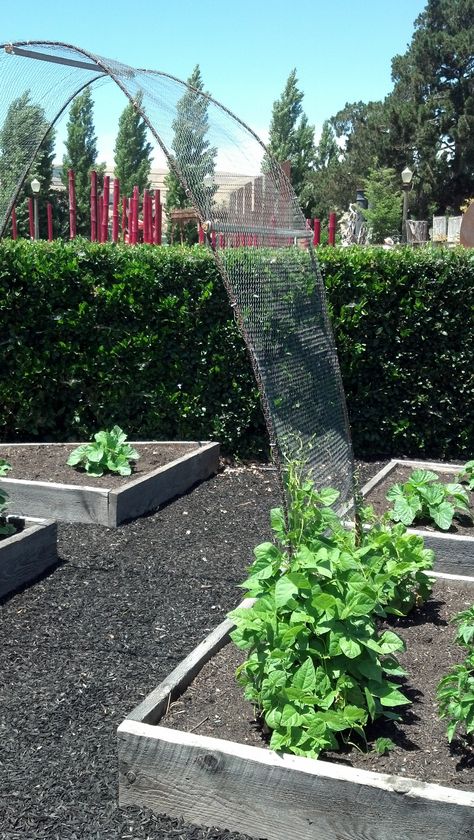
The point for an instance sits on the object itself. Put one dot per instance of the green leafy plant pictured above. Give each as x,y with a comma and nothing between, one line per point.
5,467
108,452
424,497
467,474
455,692
318,667
6,528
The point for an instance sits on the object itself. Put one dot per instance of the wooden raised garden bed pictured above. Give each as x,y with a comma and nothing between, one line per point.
456,550
26,554
250,789
108,500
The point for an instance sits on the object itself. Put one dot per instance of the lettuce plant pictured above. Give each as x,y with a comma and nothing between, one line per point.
467,474
319,667
424,497
108,452
455,692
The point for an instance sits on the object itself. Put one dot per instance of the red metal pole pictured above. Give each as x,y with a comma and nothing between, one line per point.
93,206
72,203
100,210
105,209
14,225
157,236
31,218
332,229
49,214
115,210
125,232
201,234
316,232
150,219
134,215
146,218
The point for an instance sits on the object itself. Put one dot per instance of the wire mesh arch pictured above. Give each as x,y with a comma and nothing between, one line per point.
254,225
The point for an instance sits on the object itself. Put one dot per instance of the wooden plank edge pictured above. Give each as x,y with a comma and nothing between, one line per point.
52,485
449,576
154,705
310,767
444,536
202,450
429,465
379,477
33,525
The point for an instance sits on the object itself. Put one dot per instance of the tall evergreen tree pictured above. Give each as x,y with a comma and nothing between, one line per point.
432,105
193,154
291,137
132,151
25,126
81,155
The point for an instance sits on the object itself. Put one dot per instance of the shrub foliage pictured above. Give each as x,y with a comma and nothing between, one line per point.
97,334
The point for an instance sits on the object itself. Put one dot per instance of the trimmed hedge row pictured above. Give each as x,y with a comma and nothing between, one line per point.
96,334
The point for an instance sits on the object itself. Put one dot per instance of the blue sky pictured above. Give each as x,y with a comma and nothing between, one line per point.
342,50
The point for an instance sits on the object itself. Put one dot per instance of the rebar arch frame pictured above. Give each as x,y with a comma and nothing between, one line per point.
286,222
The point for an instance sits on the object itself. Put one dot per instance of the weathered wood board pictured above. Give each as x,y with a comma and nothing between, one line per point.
212,782
454,552
74,503
26,555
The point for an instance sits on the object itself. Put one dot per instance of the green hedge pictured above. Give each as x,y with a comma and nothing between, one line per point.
144,337
96,334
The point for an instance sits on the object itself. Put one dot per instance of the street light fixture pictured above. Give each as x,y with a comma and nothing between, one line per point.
407,177
35,188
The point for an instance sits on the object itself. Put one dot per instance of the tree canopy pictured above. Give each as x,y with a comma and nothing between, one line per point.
194,157
132,150
25,128
291,137
81,155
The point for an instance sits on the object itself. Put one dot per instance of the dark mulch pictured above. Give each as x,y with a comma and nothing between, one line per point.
82,646
462,523
48,463
214,704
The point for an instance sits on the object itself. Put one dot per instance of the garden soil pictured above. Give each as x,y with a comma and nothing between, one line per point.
48,463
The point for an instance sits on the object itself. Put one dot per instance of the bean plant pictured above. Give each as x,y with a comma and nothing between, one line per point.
455,692
108,452
318,667
423,497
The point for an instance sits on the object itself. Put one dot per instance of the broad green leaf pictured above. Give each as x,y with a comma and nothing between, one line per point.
443,515
290,716
404,510
370,703
305,677
328,496
419,478
390,642
350,647
285,589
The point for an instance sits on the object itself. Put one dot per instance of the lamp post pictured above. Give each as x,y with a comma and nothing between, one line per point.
35,188
407,177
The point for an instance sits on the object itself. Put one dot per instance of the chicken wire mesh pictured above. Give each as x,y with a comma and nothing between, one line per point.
253,223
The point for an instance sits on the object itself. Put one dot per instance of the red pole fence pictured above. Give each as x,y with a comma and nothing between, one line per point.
72,203
124,219
49,215
115,210
14,224
93,206
316,232
332,229
134,215
157,234
105,209
146,217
